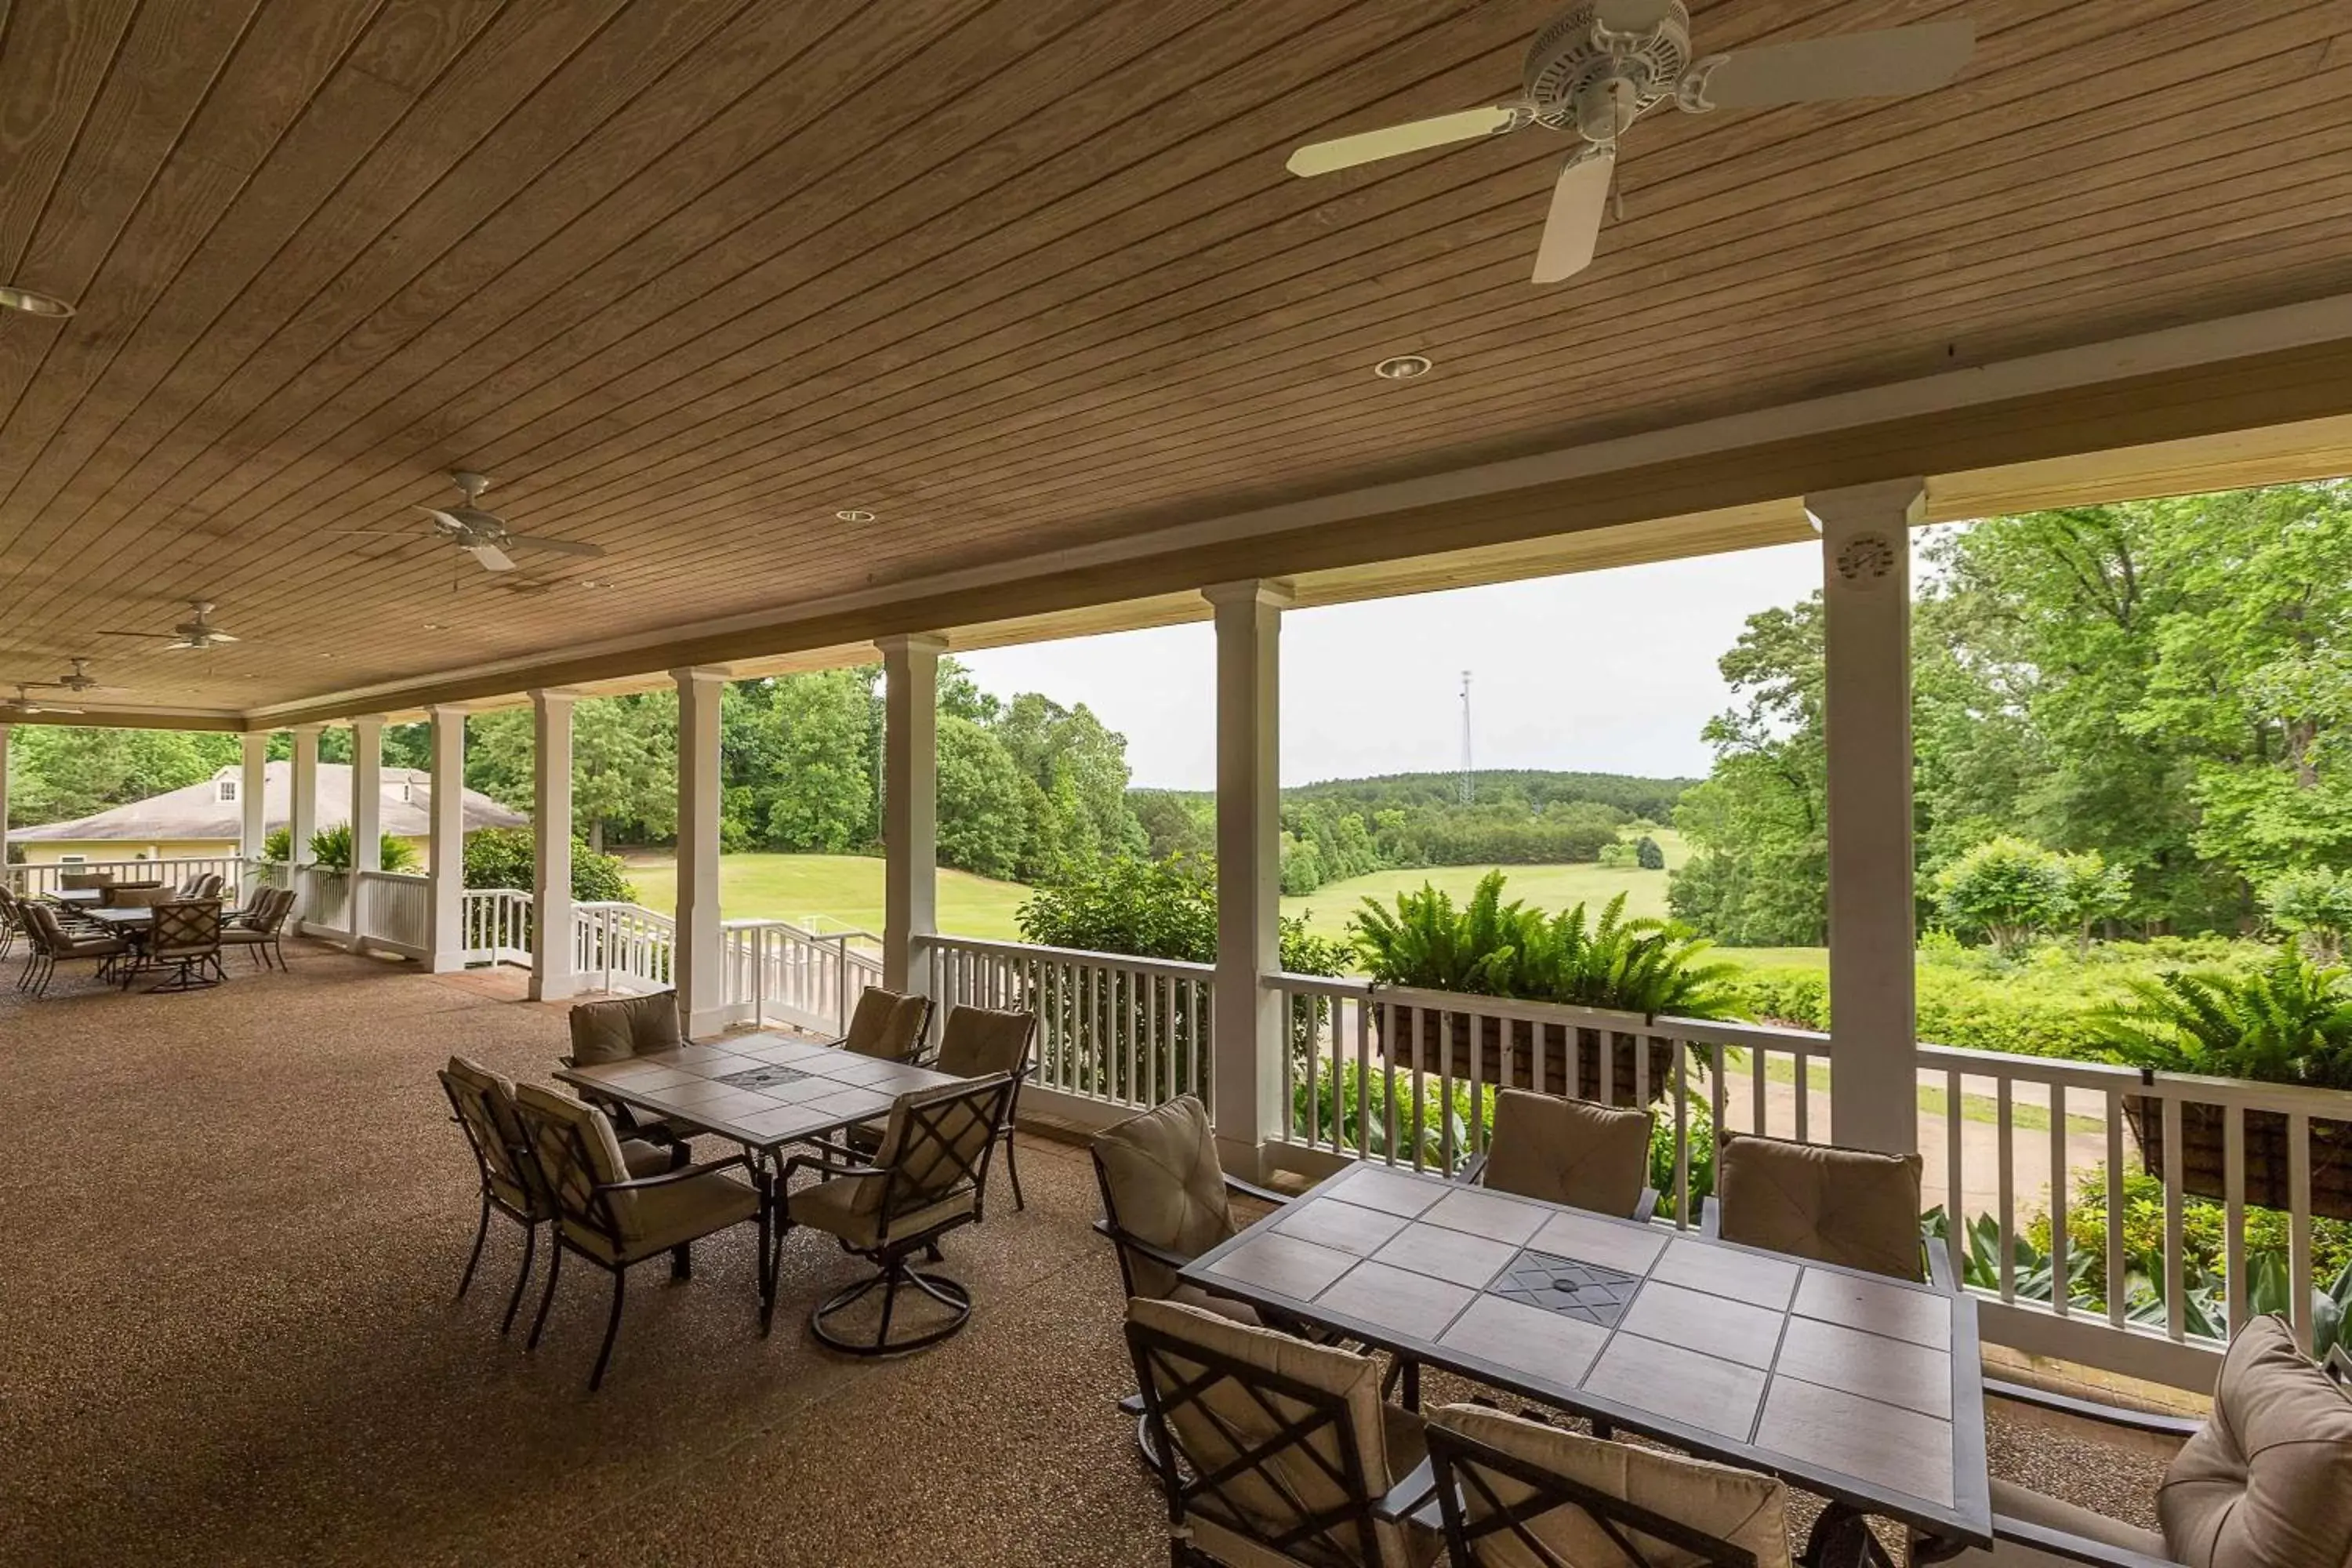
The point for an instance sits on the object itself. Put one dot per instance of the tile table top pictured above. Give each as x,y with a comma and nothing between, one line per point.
761,1090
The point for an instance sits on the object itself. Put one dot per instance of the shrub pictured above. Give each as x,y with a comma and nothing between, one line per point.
2289,1021
1647,855
2006,888
1619,856
330,848
1428,943
505,857
2315,905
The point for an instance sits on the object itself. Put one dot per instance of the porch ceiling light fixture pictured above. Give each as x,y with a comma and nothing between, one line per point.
854,514
14,299
1403,367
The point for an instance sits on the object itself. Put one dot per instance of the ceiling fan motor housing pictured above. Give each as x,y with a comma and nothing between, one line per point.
1600,66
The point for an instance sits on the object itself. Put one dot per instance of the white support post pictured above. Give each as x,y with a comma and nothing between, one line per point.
552,976
302,810
367,820
1247,1042
1866,714
698,969
253,795
911,767
444,854
4,808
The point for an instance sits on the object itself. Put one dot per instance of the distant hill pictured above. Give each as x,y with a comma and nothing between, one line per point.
1538,788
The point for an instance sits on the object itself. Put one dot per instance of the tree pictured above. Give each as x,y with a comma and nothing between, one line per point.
820,730
982,823
58,773
508,857
1647,855
1079,769
2006,888
2093,892
1174,822
2315,905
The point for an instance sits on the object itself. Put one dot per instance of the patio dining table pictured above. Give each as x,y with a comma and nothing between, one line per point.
763,1091
1863,1390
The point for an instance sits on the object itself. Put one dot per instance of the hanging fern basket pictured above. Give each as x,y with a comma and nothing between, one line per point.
2204,1155
1438,1043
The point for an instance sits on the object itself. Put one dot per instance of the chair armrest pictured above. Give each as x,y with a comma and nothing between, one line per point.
1939,1266
1158,1253
826,1169
670,1178
2149,1421
1645,1207
2074,1548
1710,1218
1414,1497
1473,1174
2339,1362
1253,1191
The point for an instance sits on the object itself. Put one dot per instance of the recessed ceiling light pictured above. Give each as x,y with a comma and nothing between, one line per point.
1404,367
436,626
854,514
594,582
32,304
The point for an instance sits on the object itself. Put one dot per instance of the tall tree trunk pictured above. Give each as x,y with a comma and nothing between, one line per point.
596,836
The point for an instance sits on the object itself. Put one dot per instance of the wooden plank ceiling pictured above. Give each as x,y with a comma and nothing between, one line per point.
690,277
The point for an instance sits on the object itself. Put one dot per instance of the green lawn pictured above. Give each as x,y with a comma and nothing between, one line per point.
1542,887
844,889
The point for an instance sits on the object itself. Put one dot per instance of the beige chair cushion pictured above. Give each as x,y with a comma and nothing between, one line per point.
848,1207
1741,1507
931,1145
1569,1152
2267,1482
1229,1419
625,1027
1165,1186
2011,1501
976,1041
486,1101
1846,1206
648,1222
886,1025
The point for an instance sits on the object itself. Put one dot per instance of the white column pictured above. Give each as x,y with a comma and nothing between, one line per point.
910,768
253,795
1866,603
550,828
367,818
4,808
697,969
1246,1063
302,811
444,854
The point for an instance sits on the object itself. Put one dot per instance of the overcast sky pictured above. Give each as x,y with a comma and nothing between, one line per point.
1609,671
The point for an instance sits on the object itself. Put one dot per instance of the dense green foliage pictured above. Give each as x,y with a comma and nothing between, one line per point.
57,773
1156,908
505,857
2287,1022
2315,906
1488,947
330,847
2162,682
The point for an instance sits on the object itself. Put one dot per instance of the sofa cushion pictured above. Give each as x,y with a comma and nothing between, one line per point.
1165,1186
1742,1508
1569,1152
2267,1482
1846,1206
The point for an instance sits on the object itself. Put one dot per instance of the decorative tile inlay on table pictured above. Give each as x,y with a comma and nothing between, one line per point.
1412,1305
1732,1329
1296,1268
1483,1213
1585,1291
1861,1437
1895,1372
1591,1240
1921,1316
767,1074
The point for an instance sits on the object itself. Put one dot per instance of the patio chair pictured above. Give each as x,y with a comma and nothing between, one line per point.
616,1029
1852,1207
1167,1200
185,938
976,1042
1566,1150
2266,1483
123,897
83,881
53,945
1272,1450
1515,1493
617,1220
261,930
928,1177
11,923
482,1103
886,1025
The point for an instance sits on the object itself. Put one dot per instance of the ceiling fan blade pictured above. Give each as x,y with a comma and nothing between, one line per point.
366,534
490,556
1888,64
165,636
559,547
1573,228
1418,136
213,633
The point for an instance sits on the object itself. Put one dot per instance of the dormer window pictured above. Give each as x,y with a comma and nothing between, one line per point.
227,792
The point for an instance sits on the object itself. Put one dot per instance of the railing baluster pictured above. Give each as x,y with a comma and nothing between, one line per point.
2298,1232
2005,1178
2233,1209
2116,1295
1355,1009
2175,1307
1682,1134
1955,1216
2061,1297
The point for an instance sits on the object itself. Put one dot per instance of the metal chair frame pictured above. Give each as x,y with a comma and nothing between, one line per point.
930,1128
1462,1466
526,1176
263,920
1321,1538
177,940
928,1057
53,945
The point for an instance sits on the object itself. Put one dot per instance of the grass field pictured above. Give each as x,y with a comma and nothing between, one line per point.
836,889
1548,887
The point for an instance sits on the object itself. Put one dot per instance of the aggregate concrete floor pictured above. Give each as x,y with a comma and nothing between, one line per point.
232,1222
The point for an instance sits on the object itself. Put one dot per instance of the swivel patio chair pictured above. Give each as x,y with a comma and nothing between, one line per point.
1852,1207
886,1025
1274,1451
1564,1151
617,1220
261,929
185,938
1515,1493
615,1030
975,1042
53,945
2266,1483
928,1177
482,1103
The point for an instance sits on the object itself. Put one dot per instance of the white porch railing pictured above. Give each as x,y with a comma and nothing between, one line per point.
31,882
322,901
622,947
776,972
2001,1136
393,911
1120,1031
495,925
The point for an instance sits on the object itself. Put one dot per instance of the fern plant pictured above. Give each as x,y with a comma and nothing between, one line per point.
1428,943
2287,1022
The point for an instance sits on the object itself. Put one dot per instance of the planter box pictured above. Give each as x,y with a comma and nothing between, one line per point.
1424,1049
2204,1170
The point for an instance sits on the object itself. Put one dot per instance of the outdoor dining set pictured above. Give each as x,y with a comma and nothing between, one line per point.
130,928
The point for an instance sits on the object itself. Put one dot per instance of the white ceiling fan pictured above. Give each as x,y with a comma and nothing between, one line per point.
1605,64
196,632
24,707
479,533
